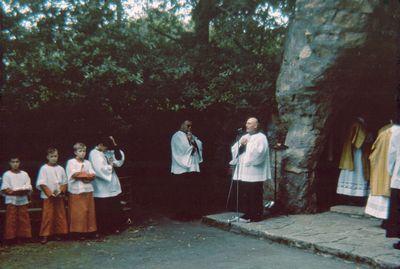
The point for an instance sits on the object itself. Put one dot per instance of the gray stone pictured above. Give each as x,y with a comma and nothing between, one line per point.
331,48
354,239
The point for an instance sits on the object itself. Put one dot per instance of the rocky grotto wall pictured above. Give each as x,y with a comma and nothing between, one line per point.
340,59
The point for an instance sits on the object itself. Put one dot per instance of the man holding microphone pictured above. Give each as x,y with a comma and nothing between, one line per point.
250,156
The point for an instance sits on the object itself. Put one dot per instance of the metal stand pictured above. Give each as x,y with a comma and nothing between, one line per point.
272,206
237,166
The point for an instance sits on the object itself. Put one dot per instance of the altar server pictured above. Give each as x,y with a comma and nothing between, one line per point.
80,174
16,186
52,184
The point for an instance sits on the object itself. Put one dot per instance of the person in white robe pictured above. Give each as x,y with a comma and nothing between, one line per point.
186,156
81,208
16,188
393,223
354,164
381,159
106,185
251,158
52,184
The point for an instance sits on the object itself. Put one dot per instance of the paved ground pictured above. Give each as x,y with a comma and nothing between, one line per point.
167,244
357,239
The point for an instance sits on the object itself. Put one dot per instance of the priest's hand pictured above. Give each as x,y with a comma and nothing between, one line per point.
243,141
189,137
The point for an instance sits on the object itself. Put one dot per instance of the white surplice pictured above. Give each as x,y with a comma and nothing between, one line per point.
78,186
106,183
51,176
394,157
16,181
253,165
352,182
184,156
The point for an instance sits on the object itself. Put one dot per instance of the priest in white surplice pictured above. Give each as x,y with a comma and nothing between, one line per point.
186,154
250,156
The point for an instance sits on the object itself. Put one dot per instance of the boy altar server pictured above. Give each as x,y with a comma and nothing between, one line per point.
105,157
80,175
52,182
16,187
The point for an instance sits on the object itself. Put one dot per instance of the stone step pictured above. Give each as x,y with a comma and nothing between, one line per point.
360,240
351,211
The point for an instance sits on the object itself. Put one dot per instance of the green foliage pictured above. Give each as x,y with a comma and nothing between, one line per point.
87,59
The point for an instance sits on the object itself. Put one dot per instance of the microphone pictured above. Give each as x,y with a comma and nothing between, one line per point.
239,130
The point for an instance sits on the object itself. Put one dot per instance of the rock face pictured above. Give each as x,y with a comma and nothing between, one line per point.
340,59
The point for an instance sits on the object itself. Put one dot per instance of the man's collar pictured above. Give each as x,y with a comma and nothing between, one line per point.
253,133
97,148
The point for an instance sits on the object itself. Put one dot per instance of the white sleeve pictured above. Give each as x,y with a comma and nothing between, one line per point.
393,152
235,152
181,150
41,179
28,183
70,170
119,163
99,164
6,184
200,147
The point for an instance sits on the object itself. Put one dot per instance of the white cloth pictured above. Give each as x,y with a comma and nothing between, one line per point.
51,176
378,206
16,181
353,183
253,165
78,186
184,157
106,183
394,157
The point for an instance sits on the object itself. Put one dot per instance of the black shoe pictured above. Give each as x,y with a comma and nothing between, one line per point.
97,237
10,242
397,245
44,240
25,240
60,237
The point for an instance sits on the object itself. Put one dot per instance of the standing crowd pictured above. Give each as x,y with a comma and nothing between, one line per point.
373,172
92,187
